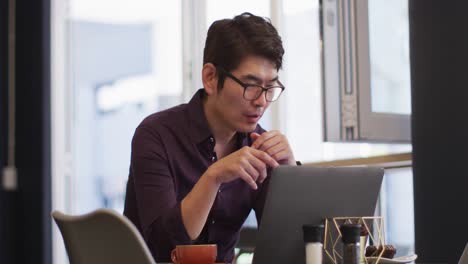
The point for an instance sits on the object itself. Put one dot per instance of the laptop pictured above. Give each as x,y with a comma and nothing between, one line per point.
464,256
299,195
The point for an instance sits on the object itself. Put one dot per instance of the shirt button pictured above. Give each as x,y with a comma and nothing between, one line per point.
219,191
213,158
211,139
213,221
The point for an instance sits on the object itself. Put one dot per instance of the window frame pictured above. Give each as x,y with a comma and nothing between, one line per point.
346,79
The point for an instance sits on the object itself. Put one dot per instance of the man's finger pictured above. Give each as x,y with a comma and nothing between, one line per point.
274,150
262,138
252,171
246,177
262,176
260,166
263,156
254,136
267,144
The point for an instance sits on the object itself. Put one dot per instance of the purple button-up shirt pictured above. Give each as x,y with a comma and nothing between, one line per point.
170,152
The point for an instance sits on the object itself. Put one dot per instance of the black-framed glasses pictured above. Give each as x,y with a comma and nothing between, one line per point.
254,91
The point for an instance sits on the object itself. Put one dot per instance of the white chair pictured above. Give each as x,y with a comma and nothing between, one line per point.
102,236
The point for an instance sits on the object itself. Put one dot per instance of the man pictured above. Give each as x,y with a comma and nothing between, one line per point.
199,168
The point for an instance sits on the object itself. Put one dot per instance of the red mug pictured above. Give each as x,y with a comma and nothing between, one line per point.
194,254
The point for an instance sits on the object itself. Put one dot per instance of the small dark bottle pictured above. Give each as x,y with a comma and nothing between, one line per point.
350,234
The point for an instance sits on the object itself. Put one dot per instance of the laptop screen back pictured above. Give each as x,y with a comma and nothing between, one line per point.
299,195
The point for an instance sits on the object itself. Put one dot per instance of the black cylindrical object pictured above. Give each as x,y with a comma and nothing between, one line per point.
350,235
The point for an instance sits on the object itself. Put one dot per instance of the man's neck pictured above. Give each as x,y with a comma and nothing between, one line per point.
223,150
225,137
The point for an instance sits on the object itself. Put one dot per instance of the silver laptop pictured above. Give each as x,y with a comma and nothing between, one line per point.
299,195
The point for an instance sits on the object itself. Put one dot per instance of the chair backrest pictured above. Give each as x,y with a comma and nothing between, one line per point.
102,236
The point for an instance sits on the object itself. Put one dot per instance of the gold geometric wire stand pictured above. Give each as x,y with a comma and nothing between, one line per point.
374,225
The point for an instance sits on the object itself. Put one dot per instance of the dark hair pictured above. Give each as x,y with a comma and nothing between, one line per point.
231,40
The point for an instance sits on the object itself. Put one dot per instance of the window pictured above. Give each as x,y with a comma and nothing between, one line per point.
389,57
397,209
301,104
366,70
118,56
114,63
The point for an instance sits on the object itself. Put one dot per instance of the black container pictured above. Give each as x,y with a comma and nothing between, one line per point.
350,235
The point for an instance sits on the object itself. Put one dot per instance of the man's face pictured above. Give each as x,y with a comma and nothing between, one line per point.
232,109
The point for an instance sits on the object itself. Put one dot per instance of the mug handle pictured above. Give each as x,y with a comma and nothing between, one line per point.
174,256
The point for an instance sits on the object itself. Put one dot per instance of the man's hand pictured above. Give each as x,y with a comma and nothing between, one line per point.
276,145
247,163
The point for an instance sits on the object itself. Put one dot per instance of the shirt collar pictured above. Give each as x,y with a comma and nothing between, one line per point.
200,130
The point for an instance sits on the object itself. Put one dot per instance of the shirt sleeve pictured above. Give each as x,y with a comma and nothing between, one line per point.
159,210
